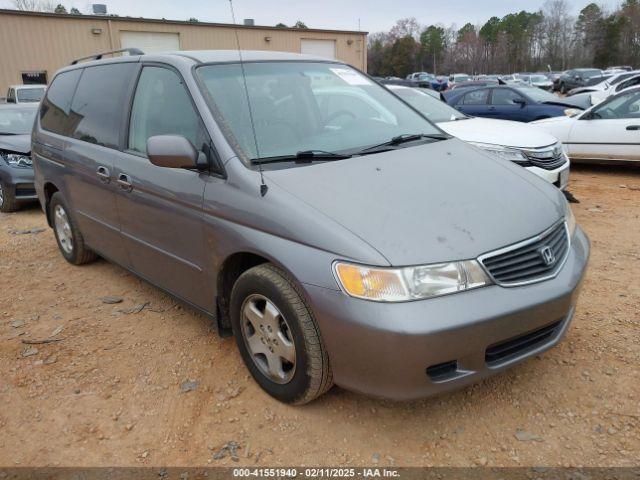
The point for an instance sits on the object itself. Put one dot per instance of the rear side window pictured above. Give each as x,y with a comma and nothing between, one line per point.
162,106
505,97
99,103
477,97
55,111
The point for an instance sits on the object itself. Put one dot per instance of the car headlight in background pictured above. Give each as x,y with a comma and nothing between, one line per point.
572,112
504,153
571,221
382,284
17,160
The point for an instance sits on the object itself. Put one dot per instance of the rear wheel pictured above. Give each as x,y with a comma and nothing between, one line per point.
7,200
278,337
70,240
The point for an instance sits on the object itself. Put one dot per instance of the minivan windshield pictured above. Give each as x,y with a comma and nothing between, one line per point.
16,121
435,110
304,107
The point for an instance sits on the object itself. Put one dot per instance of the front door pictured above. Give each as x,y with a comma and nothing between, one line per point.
610,131
161,208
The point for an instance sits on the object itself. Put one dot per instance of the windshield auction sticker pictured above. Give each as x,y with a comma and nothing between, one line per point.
350,76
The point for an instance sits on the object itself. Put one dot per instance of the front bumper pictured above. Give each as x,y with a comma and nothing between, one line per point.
411,350
20,182
557,176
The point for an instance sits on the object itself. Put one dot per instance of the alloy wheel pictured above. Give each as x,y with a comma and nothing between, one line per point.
63,229
268,338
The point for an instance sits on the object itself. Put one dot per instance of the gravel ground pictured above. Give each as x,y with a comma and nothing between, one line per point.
146,381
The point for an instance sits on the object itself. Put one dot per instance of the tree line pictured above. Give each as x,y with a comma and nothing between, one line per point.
518,42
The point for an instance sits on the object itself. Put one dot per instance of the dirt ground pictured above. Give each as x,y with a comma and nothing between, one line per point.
158,387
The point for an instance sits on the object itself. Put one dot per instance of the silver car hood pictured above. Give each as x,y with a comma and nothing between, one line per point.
429,203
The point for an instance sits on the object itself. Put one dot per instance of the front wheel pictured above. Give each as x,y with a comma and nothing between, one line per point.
563,89
70,240
278,337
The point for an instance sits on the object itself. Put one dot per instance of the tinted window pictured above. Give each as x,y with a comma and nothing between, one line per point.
505,97
628,83
162,106
477,97
99,102
56,106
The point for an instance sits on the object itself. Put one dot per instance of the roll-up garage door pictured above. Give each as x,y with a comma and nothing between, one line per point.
150,42
320,48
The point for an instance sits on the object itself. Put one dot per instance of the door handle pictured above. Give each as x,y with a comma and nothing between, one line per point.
104,174
633,127
125,182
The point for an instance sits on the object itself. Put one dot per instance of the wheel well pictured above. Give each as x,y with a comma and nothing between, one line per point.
49,190
231,269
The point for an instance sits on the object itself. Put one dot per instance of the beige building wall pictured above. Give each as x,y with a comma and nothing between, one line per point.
46,42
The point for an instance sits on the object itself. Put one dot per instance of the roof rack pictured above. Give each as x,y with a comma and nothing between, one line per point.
98,56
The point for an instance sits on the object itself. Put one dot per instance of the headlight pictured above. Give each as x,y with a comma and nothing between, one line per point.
17,160
409,283
571,221
504,153
572,112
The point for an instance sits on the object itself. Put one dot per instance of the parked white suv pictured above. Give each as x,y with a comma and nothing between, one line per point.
536,150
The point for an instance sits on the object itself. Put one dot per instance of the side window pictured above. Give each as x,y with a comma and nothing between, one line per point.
98,105
625,106
55,111
632,82
162,106
505,96
477,97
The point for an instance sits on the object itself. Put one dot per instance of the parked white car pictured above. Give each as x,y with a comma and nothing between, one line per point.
601,96
537,151
606,133
25,93
540,81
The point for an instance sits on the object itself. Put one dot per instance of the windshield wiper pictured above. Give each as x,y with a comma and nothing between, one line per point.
9,133
404,138
304,156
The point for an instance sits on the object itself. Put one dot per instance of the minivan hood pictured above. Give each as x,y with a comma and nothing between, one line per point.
498,132
427,204
16,143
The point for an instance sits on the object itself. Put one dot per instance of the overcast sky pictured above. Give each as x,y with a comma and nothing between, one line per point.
374,15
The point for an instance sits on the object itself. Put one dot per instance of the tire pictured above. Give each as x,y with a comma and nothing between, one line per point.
309,375
69,238
563,89
8,201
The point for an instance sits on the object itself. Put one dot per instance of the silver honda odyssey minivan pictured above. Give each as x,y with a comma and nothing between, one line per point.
340,236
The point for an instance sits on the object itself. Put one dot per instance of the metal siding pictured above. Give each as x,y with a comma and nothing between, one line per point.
33,42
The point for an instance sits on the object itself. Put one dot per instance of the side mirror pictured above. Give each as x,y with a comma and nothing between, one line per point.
172,151
520,101
578,77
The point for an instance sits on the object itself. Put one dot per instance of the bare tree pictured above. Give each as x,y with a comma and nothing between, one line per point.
34,5
559,32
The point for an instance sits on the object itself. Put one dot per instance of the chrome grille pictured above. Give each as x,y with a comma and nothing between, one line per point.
532,260
548,158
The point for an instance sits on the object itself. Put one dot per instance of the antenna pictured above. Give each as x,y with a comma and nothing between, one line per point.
263,186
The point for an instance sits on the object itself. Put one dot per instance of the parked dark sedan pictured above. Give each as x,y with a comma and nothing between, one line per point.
576,78
16,170
519,103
